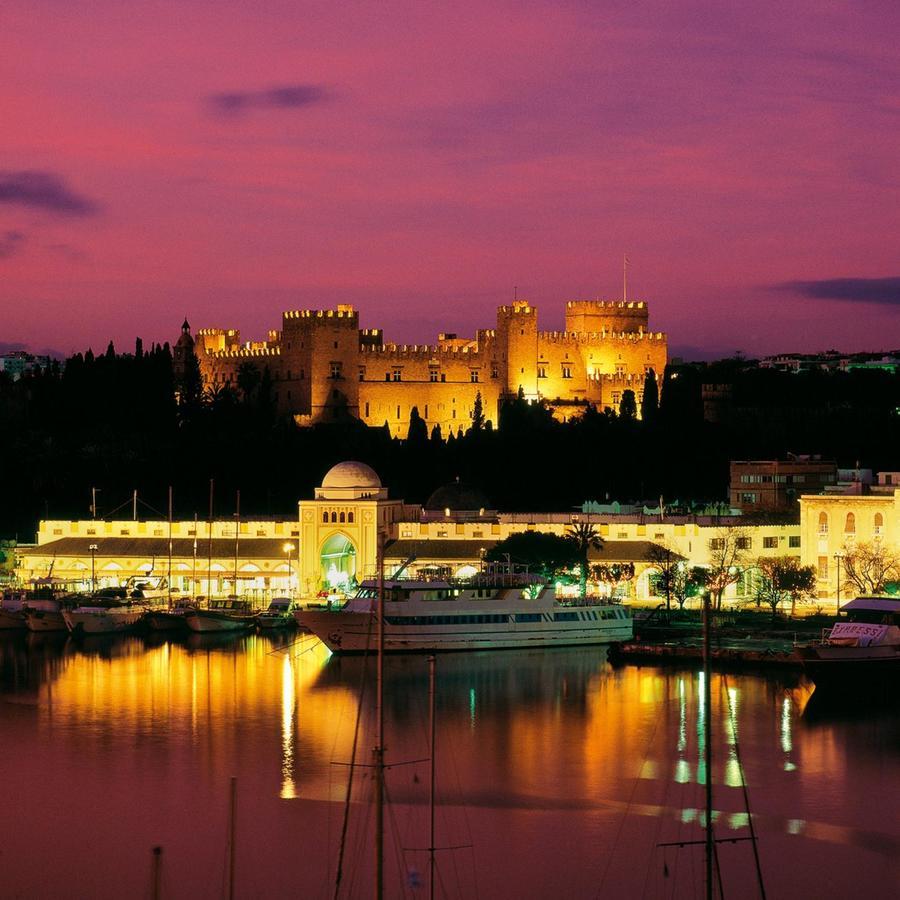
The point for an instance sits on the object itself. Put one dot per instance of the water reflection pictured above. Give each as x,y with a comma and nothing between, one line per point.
562,773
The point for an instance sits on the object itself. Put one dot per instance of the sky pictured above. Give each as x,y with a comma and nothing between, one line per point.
426,162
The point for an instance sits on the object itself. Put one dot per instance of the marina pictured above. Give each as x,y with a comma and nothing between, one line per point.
583,767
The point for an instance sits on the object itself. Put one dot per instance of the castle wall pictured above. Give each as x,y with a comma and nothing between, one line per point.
323,366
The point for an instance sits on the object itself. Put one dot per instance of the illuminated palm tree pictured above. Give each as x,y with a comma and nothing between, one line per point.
584,537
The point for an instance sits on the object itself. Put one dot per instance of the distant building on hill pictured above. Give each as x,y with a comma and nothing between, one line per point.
17,363
323,366
764,486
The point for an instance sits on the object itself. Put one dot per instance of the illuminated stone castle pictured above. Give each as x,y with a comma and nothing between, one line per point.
323,366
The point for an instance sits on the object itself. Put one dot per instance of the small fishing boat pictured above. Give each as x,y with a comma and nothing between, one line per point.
12,613
280,614
44,615
232,614
83,620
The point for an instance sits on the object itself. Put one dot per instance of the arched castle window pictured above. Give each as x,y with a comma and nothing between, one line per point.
350,517
823,523
850,524
334,517
343,518
325,516
878,523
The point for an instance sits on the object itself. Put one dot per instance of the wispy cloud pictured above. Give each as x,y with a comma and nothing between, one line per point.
43,190
10,242
295,96
859,290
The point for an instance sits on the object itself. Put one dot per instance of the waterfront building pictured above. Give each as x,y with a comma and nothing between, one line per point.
323,366
832,524
334,541
17,363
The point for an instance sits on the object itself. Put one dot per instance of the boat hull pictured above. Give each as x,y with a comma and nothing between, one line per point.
267,622
101,621
41,620
851,667
165,621
12,620
346,632
204,621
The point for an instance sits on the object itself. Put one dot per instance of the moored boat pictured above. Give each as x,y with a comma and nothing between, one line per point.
44,615
488,611
863,651
12,613
102,619
232,614
174,619
279,614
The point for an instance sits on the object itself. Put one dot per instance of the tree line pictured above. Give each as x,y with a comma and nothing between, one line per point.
120,422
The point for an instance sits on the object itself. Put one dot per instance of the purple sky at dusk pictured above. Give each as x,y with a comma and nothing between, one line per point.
228,160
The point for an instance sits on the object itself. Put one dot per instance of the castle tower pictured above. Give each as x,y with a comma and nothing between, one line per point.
517,347
612,316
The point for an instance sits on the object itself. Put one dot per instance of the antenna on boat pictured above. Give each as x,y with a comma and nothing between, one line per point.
212,484
237,537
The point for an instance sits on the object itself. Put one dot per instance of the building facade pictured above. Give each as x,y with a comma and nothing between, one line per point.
776,485
324,366
334,543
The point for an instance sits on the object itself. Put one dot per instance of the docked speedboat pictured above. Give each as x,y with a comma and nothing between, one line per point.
865,648
492,611
103,619
280,614
232,614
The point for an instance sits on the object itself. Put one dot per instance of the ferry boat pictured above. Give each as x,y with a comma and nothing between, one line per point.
866,648
486,612
222,615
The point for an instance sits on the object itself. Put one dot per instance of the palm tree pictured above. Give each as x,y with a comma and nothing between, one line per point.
584,537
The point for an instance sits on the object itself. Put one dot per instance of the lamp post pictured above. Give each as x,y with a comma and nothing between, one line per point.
93,548
839,558
288,550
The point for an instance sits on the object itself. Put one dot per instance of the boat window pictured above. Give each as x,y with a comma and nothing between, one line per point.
528,617
565,617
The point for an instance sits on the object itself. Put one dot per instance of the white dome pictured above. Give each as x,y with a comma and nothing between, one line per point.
351,474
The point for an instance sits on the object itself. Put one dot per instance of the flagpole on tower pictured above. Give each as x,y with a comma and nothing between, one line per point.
624,277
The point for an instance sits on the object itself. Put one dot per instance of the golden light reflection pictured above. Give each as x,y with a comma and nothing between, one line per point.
288,789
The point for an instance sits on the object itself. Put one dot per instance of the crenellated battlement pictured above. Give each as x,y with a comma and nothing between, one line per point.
604,348
604,306
583,337
344,312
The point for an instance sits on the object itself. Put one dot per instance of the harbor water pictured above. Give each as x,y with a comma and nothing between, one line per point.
557,775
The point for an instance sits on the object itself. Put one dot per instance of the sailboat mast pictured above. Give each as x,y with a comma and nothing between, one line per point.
237,538
169,575
379,725
431,728
707,749
212,485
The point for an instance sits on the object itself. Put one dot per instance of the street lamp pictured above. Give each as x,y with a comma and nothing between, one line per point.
93,548
288,550
839,558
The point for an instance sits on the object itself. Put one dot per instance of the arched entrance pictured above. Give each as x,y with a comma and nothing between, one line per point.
337,563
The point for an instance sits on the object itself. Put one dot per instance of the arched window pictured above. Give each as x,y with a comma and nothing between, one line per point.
850,524
350,517
325,516
334,517
823,523
878,523
343,518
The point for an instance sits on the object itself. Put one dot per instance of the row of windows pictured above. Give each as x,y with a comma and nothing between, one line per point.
493,619
336,517
850,523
